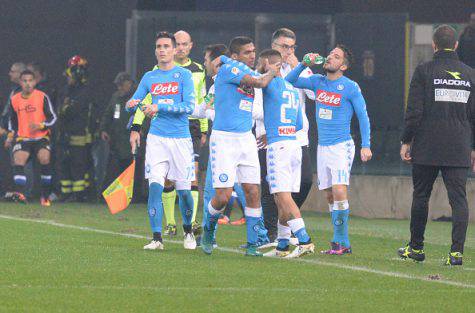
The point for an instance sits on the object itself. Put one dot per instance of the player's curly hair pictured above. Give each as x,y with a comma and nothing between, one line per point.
349,58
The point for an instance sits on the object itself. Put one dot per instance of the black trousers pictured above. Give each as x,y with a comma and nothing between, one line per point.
269,208
455,180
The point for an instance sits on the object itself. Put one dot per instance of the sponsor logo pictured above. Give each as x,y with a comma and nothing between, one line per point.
223,178
451,95
328,98
245,105
451,82
248,91
29,108
455,75
147,168
164,89
286,130
165,101
325,114
152,212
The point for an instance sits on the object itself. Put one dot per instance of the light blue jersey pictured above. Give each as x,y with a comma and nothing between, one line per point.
233,101
282,112
336,101
173,92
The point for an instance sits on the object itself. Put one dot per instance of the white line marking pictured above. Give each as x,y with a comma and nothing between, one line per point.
162,289
309,261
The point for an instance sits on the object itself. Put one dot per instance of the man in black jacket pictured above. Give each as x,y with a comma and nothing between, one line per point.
439,135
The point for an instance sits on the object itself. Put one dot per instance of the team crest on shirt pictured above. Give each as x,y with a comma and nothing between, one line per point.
147,168
340,87
235,70
223,178
176,75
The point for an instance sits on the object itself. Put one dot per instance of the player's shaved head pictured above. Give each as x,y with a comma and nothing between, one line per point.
183,46
182,35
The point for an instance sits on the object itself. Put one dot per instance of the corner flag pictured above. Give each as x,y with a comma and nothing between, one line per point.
120,192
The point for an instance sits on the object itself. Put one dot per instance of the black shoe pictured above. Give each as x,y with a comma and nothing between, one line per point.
196,229
454,258
408,252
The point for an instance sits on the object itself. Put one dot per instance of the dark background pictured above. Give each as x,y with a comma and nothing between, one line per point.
52,31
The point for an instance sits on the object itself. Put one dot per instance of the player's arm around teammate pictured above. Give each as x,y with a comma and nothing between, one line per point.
282,120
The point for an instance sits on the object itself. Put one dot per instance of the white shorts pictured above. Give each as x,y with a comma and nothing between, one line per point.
284,160
233,158
170,158
334,164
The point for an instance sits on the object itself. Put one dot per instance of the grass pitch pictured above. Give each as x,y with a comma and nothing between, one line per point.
79,258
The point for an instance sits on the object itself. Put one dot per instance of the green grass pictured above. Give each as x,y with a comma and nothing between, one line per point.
48,268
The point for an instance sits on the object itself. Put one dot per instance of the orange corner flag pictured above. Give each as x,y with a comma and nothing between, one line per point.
120,192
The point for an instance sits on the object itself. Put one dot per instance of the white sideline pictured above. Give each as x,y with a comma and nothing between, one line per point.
310,261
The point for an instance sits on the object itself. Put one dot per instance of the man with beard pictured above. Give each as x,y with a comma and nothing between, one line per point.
337,98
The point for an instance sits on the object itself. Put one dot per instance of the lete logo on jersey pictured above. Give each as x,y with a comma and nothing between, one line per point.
329,98
160,89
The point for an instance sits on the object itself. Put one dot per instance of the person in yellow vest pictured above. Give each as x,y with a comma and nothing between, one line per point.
198,130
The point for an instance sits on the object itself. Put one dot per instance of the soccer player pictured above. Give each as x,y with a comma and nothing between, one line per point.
282,120
169,150
337,98
31,118
198,131
233,148
284,41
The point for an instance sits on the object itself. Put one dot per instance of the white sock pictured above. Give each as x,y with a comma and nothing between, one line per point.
283,232
341,205
296,224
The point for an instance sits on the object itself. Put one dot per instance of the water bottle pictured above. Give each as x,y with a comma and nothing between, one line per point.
318,59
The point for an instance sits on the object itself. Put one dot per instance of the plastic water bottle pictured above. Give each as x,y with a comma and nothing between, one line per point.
318,59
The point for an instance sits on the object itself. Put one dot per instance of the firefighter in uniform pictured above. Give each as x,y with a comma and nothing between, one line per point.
76,116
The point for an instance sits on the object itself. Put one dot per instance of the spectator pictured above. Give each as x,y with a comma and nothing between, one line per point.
113,127
466,48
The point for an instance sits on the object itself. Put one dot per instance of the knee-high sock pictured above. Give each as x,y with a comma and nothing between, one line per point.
195,194
155,207
168,198
340,215
19,178
186,208
46,180
253,217
297,226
